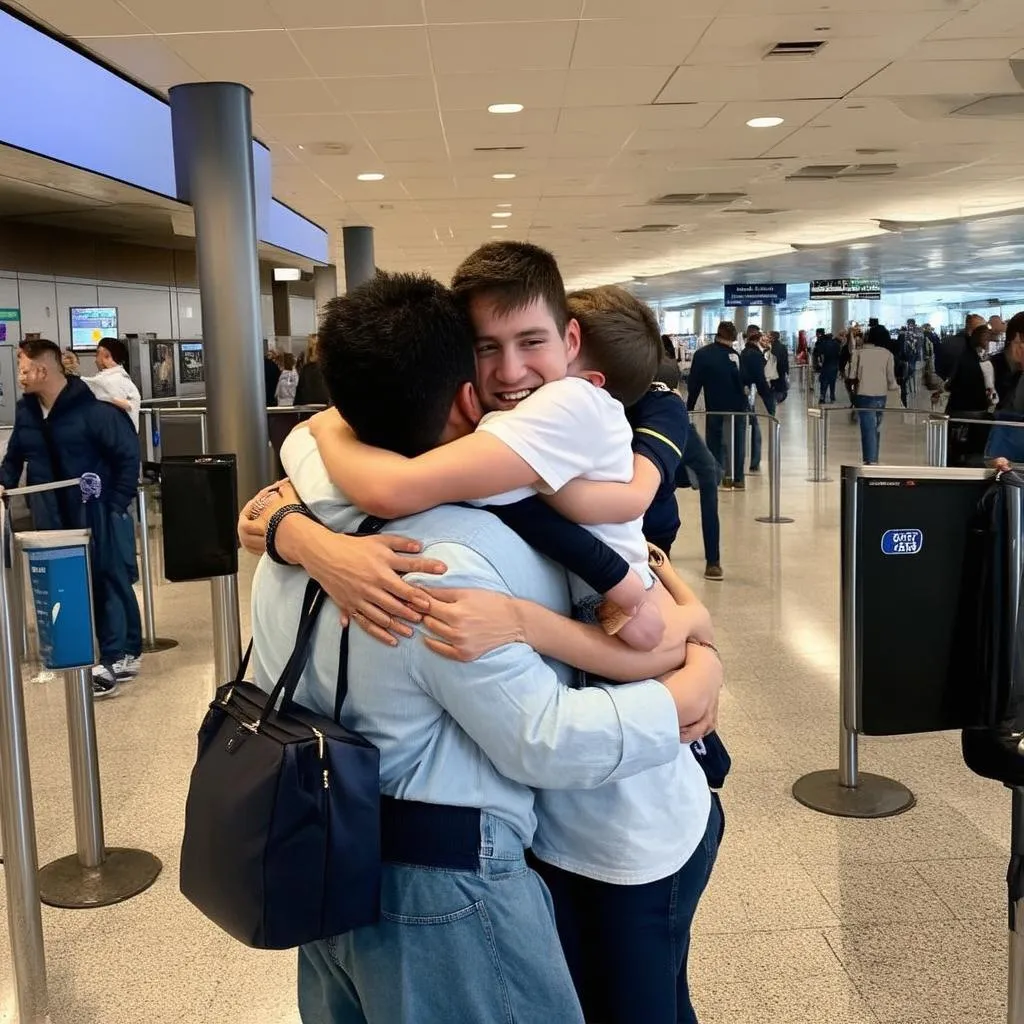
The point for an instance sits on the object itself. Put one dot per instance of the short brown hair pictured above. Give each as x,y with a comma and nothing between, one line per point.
726,331
1015,328
36,347
620,337
512,275
287,361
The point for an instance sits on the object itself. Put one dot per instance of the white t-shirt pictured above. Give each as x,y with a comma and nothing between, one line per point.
567,429
114,382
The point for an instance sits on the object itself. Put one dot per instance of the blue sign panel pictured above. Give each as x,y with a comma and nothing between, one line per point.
755,294
902,542
63,603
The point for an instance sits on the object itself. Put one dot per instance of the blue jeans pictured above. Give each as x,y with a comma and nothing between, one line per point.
451,946
116,609
870,426
755,444
628,945
698,460
715,434
827,382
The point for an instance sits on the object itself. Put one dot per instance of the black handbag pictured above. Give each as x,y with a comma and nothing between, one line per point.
282,822
713,757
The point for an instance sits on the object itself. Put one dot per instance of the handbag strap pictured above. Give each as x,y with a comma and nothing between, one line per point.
369,526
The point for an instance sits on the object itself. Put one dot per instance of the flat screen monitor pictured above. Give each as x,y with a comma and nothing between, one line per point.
90,323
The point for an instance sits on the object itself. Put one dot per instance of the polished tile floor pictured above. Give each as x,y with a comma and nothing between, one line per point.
809,919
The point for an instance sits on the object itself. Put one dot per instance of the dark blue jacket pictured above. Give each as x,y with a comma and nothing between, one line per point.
715,370
826,354
661,426
752,374
85,436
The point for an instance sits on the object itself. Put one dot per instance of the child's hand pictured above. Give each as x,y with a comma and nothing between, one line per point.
467,624
329,423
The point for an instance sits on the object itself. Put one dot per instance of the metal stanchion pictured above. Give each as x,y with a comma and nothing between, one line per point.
24,915
204,446
774,475
936,440
19,613
816,426
730,424
227,630
94,876
150,641
848,792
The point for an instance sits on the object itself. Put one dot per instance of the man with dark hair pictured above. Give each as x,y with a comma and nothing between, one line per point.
827,353
949,352
715,371
61,431
113,384
461,743
1008,364
754,380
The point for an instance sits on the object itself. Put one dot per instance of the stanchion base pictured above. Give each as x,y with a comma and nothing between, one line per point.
823,480
123,874
875,795
774,519
161,643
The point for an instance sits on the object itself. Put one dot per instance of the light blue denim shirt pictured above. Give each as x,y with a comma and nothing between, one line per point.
478,734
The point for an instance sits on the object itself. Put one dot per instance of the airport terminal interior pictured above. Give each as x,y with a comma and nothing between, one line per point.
812,168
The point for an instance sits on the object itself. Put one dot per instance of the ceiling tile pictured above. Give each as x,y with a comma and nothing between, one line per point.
98,18
358,52
667,116
637,42
623,86
293,96
406,92
467,145
989,20
999,48
480,122
303,128
651,8
420,150
470,49
145,58
786,81
926,77
203,16
240,56
346,13
411,124
476,92
440,12
816,7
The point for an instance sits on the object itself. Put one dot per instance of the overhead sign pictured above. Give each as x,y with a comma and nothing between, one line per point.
755,294
847,288
9,314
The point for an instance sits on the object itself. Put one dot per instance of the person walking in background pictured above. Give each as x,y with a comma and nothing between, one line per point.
271,375
715,371
287,381
777,350
311,389
826,361
969,399
113,384
752,373
873,375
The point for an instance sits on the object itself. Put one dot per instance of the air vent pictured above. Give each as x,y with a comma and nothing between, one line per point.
834,172
873,152
697,199
328,148
782,51
648,229
755,212
497,149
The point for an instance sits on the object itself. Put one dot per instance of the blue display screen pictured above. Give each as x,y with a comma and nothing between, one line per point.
91,323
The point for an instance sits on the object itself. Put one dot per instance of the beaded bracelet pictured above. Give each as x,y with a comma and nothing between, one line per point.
275,521
706,646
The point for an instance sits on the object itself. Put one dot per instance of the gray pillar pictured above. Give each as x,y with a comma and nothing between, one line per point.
739,318
212,126
840,315
282,309
768,318
698,319
359,265
325,287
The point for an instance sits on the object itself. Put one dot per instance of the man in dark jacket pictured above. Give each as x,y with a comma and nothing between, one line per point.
755,382
826,361
715,371
62,431
781,354
947,355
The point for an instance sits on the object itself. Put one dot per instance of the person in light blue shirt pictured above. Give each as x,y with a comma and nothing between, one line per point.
467,931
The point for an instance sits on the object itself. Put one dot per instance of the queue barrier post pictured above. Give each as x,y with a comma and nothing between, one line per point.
774,475
151,643
95,875
816,426
936,440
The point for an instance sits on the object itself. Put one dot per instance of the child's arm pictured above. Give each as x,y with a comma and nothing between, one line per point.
593,502
389,485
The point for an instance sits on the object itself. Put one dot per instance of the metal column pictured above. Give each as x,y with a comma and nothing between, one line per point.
840,315
739,318
359,263
213,162
774,475
699,310
325,287
768,318
24,913
227,631
150,641
282,309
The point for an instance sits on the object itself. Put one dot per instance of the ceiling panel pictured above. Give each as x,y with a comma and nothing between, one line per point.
294,96
440,12
783,81
925,77
471,49
816,7
366,95
625,86
667,116
304,128
637,42
651,8
240,56
203,16
476,92
988,20
358,52
97,18
406,124
346,13
998,48
146,58
533,121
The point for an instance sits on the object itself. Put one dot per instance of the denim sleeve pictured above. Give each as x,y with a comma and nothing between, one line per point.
567,543
536,730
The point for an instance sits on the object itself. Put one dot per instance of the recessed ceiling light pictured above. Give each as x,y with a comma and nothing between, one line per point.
370,176
499,227
504,108
503,177
765,122
503,205
505,214
301,146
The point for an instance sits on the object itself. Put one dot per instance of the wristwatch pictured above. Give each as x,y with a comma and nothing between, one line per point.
275,521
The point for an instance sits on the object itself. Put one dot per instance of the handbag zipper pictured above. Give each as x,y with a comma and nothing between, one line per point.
320,750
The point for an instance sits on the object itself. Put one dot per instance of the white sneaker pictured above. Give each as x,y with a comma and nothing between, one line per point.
104,682
128,667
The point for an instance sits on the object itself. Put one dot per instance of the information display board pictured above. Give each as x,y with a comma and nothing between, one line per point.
58,564
191,369
913,577
847,288
755,294
91,323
